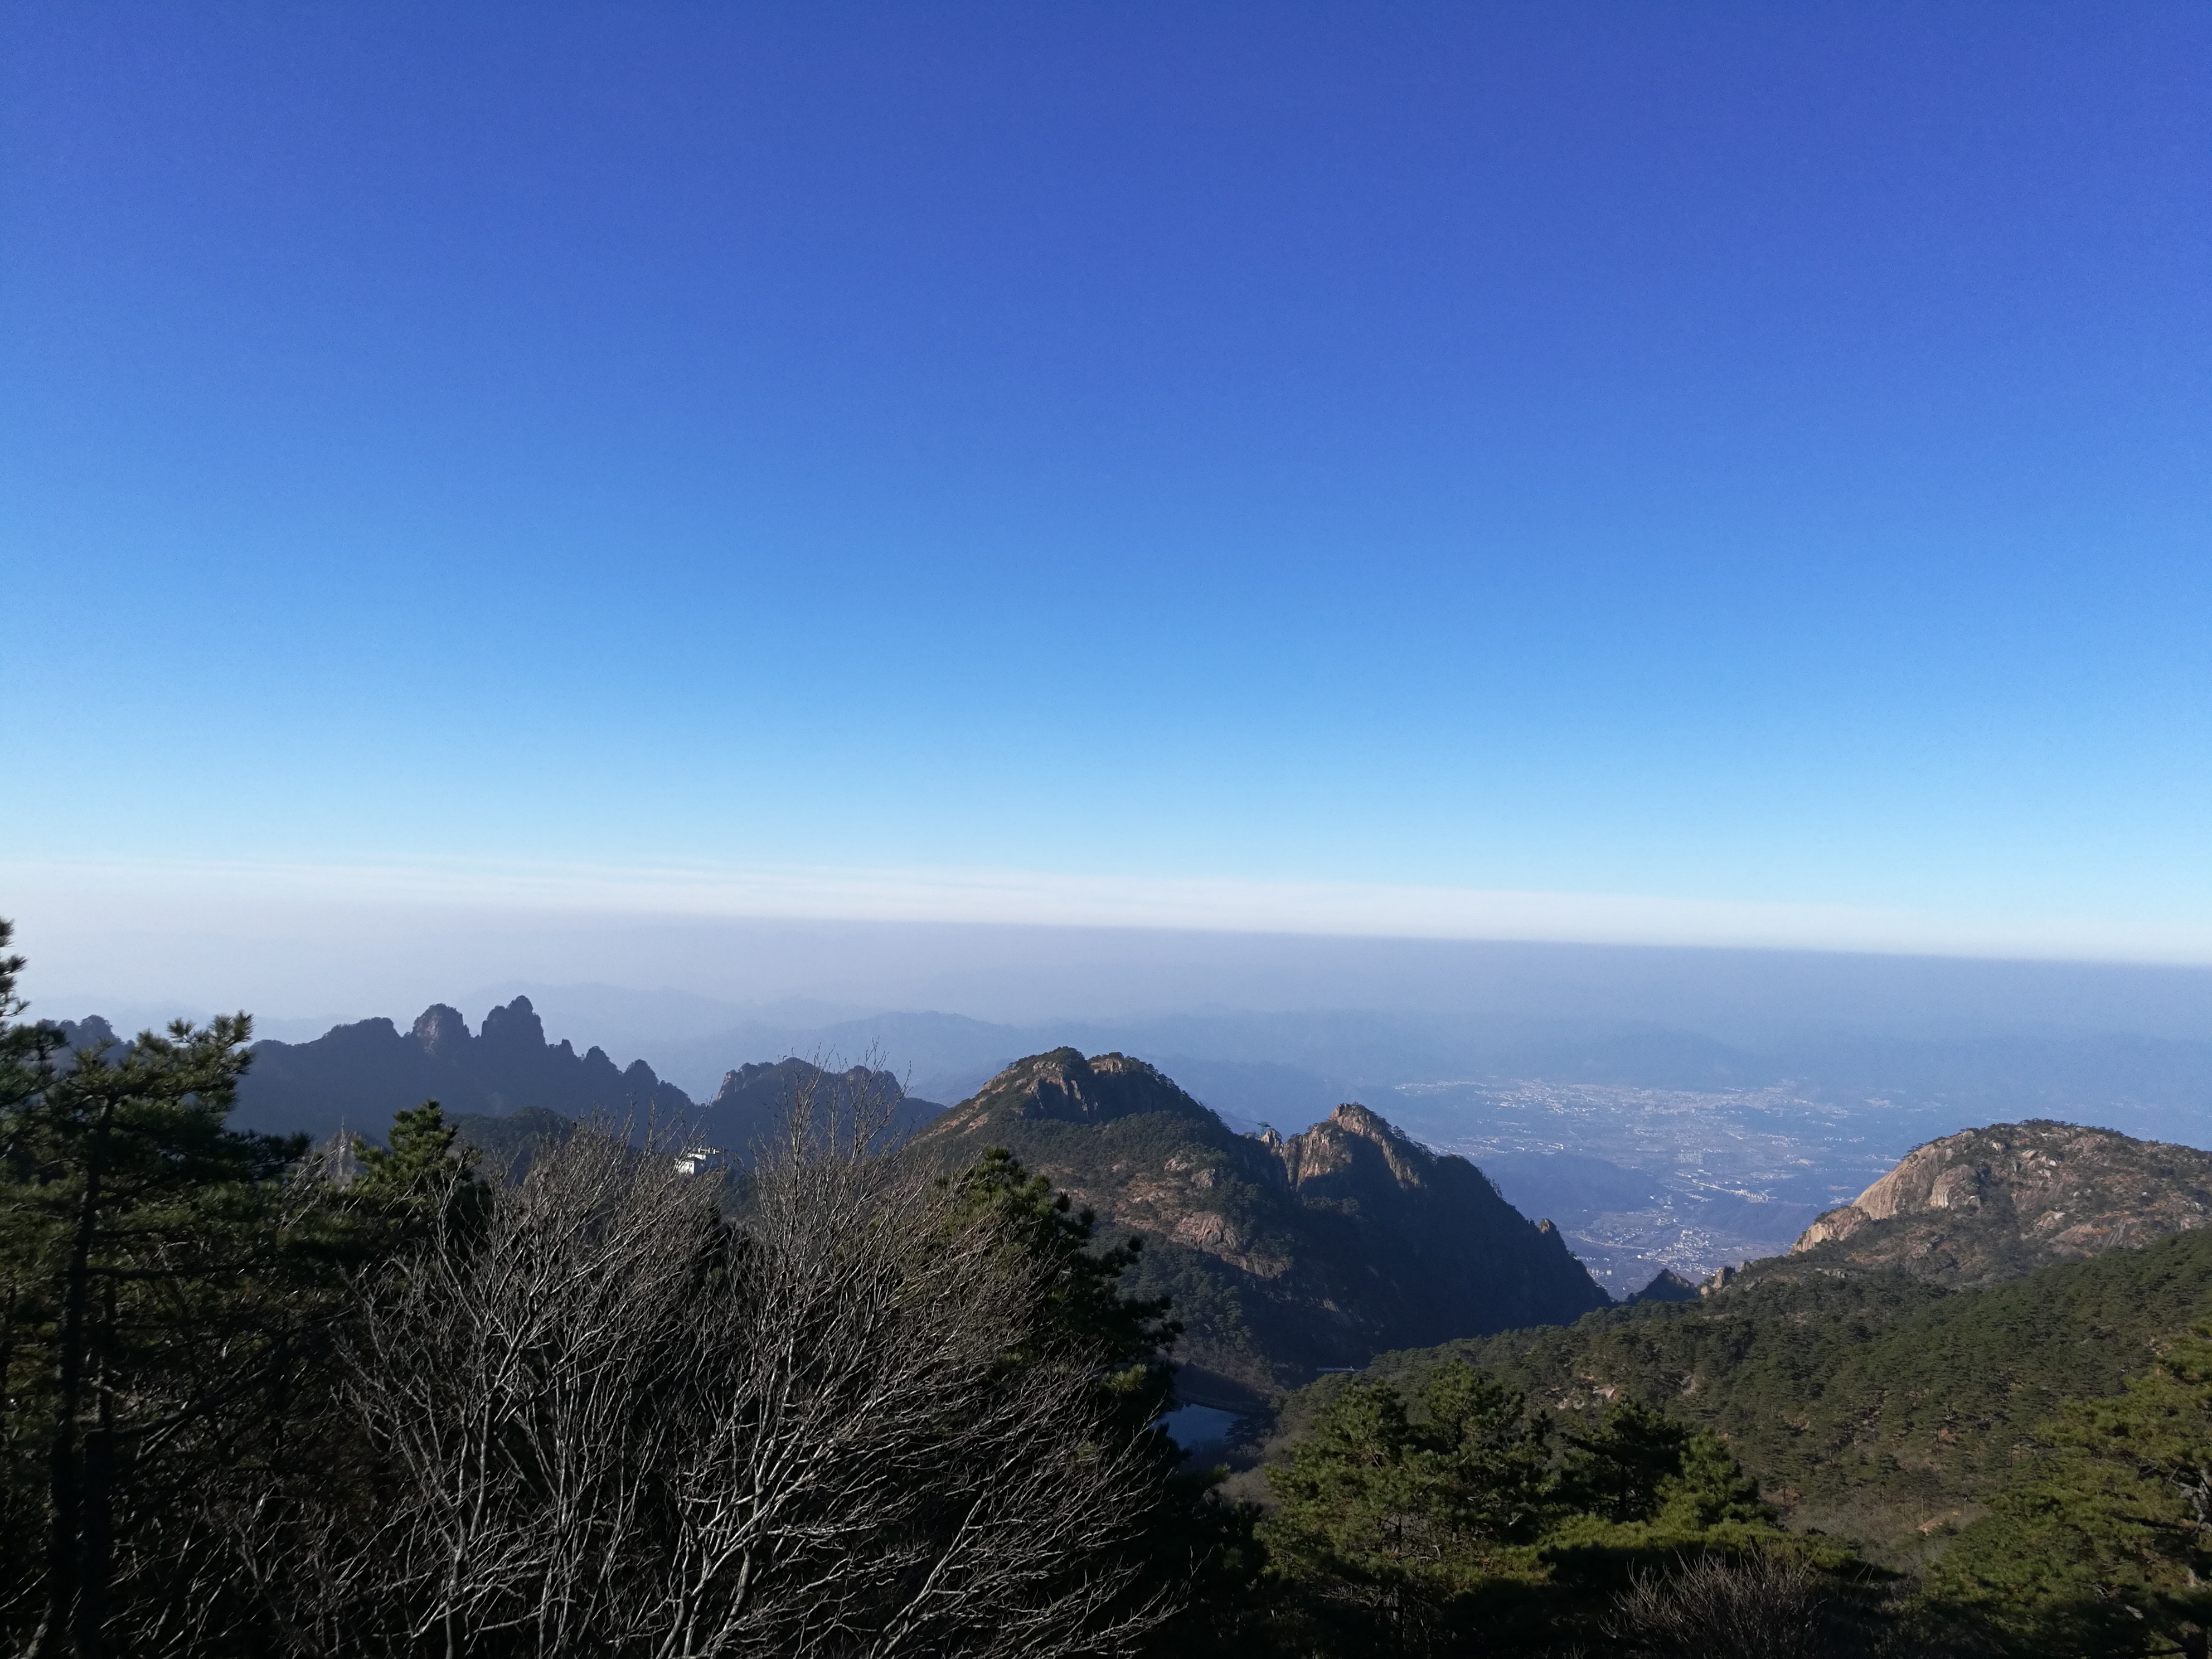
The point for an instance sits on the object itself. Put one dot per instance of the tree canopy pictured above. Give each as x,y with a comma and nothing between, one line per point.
2103,1541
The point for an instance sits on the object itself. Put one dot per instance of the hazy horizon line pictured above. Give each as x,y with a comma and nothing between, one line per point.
1019,898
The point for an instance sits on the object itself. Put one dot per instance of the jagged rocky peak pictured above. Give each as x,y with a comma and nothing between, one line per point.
1345,1142
441,1029
516,1025
1322,1249
740,1079
355,1076
1992,1202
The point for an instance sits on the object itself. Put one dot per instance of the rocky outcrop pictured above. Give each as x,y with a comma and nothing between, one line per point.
1991,1204
1283,1255
441,1031
1066,1088
1329,1155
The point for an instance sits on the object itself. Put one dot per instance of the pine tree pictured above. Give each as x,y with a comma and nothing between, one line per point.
1084,1308
2105,1542
140,1242
1638,1466
1387,1522
1451,1517
1192,1543
425,1176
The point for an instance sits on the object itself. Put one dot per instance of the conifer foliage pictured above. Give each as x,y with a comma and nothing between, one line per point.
1435,1517
2104,1542
151,1312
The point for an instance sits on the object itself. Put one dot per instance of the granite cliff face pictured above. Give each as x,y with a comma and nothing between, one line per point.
1993,1204
1284,1256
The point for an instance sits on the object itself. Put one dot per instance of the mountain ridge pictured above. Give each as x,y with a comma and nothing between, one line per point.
752,1108
354,1076
1284,1254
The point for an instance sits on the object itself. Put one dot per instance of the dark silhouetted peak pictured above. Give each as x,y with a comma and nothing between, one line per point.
1667,1285
441,1031
515,1026
354,1076
754,1105
749,1077
90,1032
1064,1087
785,1078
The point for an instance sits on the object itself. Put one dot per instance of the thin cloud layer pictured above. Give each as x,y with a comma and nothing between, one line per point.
154,888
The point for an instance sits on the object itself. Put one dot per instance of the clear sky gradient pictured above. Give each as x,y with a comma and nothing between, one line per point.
1705,455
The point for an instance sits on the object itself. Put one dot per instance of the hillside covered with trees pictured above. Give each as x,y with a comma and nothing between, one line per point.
1876,1406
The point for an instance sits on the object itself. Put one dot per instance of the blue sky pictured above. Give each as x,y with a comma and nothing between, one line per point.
1237,463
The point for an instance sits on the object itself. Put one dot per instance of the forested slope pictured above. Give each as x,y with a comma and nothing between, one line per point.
1876,1404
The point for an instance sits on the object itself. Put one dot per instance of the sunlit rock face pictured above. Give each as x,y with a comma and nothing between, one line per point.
1993,1203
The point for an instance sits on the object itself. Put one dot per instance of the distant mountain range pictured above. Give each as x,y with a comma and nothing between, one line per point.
1297,1065
355,1077
1289,1254
1285,1256
1650,1148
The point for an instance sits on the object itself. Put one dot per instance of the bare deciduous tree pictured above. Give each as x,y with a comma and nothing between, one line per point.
1772,1605
609,1419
